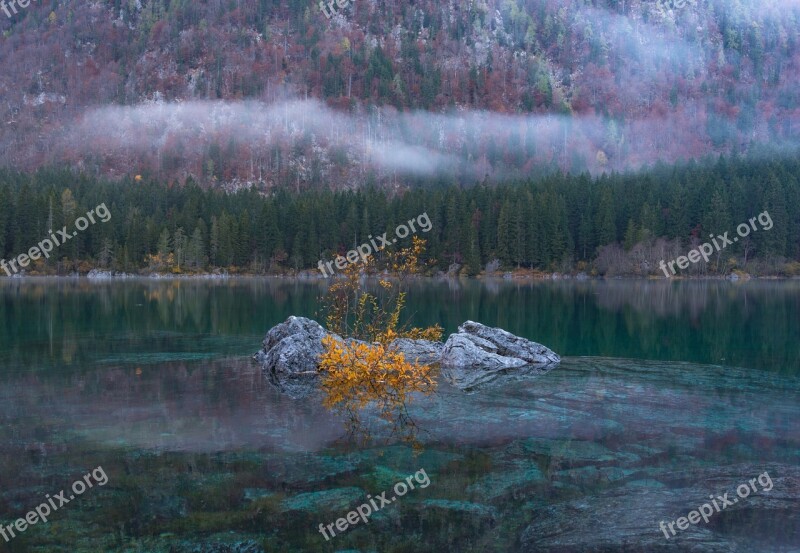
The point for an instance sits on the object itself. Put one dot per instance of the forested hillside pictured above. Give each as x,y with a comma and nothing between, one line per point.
271,93
606,226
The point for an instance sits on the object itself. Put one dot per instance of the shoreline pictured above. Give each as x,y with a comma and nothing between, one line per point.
310,276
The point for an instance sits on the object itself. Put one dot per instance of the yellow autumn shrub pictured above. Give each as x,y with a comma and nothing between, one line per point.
356,374
366,369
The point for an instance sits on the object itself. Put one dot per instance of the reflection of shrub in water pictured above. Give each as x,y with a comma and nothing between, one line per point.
357,375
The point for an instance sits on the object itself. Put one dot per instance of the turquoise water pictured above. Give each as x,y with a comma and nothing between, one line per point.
668,393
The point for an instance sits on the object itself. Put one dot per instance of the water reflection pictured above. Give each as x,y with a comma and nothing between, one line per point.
69,324
153,380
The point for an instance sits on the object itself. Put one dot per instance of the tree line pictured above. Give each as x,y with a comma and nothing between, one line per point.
555,223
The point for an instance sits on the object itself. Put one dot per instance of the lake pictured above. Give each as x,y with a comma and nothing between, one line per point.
669,396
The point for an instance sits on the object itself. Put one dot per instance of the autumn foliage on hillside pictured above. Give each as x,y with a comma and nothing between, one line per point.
597,86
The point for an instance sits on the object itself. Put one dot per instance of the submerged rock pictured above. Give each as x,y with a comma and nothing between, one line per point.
462,507
519,479
627,517
340,499
249,546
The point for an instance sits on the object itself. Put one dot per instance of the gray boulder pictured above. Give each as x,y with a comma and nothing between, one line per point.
293,347
464,351
291,351
290,355
423,351
481,347
476,354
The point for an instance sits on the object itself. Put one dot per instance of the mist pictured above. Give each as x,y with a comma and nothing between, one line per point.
656,53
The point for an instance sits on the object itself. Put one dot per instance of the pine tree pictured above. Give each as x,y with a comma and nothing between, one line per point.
297,259
106,256
504,234
179,247
473,253
605,224
195,251
214,239
631,235
164,247
243,247
775,239
5,216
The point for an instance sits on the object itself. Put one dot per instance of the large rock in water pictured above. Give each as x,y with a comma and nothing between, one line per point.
291,352
290,355
481,347
478,354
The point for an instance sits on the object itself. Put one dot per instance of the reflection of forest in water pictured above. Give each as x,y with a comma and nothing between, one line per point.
76,322
153,381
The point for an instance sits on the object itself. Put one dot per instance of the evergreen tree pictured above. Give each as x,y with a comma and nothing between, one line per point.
504,234
195,250
164,248
179,247
606,218
214,241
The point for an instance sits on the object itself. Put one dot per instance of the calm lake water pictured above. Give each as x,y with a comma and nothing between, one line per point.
668,393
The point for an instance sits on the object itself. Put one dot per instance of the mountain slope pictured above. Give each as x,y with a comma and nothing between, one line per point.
274,93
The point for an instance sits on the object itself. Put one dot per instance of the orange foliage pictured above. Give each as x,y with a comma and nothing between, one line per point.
358,374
